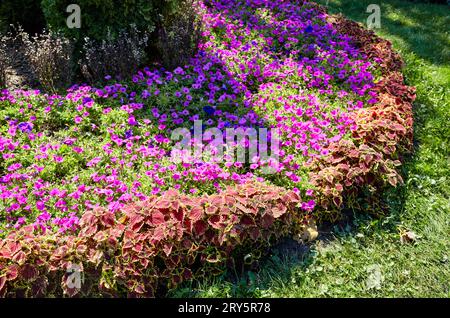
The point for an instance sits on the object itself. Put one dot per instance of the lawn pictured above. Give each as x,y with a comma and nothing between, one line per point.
363,256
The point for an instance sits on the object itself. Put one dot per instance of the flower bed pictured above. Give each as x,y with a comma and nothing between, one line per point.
88,178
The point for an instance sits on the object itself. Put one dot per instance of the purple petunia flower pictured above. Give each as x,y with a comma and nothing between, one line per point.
128,134
209,110
25,127
132,121
87,100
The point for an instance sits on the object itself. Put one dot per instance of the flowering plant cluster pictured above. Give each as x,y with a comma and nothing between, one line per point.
332,89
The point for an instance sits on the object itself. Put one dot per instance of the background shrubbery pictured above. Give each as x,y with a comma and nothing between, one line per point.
27,13
50,57
115,38
3,62
110,17
120,56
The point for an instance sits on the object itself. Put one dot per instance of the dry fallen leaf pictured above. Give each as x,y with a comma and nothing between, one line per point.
408,237
309,233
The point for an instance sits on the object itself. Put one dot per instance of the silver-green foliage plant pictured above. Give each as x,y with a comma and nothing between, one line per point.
3,63
179,34
120,56
50,57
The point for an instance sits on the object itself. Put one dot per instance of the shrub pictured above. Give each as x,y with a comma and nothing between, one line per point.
50,58
119,56
4,61
433,1
150,246
178,35
110,17
26,13
170,23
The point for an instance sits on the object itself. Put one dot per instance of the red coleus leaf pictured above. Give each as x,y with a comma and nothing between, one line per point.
279,210
107,219
144,262
158,234
243,208
178,215
187,274
196,213
216,200
167,248
339,187
39,287
29,272
398,127
267,220
139,289
353,153
163,204
138,247
230,199
213,258
130,235
88,219
225,211
89,230
60,252
214,221
12,272
329,177
337,201
20,258
136,222
2,284
392,179
176,279
187,226
13,248
81,249
291,196
157,218
368,158
241,200
200,227
247,221
176,205
180,231
95,256
211,209
101,236
255,233
117,231
175,259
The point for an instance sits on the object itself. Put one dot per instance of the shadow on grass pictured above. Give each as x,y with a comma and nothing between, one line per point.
420,26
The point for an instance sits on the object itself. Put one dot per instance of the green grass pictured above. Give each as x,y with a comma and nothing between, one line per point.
344,260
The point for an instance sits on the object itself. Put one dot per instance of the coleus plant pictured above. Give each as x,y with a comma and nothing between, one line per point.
151,245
